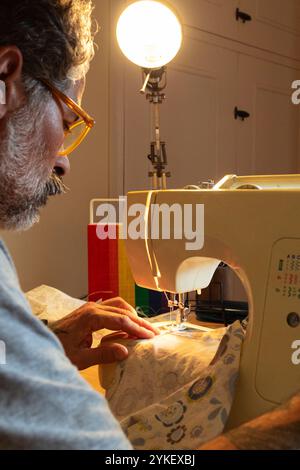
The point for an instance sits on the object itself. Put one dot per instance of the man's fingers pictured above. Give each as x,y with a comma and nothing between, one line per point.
121,311
137,327
114,337
87,342
105,354
135,318
113,352
119,303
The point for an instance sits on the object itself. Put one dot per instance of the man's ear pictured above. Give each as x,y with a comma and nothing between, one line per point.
11,90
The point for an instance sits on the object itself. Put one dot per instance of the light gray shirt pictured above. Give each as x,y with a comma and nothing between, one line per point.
44,402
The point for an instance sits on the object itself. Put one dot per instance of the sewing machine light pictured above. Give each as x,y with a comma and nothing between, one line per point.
149,34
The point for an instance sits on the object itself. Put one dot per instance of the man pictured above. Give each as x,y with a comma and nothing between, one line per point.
45,50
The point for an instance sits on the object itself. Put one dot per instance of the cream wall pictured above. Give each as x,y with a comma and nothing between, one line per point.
55,251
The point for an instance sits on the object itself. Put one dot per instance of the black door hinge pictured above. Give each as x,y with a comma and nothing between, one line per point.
240,114
243,16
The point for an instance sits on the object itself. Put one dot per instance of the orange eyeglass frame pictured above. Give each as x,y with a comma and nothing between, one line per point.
85,118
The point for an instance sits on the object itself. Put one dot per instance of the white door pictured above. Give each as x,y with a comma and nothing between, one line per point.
196,119
268,142
215,16
275,26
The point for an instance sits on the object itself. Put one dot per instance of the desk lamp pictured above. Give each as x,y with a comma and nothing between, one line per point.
149,34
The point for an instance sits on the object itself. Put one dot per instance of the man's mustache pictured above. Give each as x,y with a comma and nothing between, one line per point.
55,186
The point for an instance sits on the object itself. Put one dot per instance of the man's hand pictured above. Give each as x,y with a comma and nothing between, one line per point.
76,332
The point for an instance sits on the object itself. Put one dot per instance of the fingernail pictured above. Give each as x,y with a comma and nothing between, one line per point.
157,331
150,333
121,354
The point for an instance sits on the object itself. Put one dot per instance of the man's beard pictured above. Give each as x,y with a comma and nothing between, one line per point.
21,211
26,178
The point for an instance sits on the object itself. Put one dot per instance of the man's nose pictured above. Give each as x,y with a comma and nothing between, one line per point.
62,166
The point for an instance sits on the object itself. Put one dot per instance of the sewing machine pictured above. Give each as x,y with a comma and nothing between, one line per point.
253,225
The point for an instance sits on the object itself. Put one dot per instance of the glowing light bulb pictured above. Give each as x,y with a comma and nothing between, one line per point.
149,34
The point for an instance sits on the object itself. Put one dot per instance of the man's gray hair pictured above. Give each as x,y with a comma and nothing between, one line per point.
54,36
56,41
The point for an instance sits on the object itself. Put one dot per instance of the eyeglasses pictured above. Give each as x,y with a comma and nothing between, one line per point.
77,132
